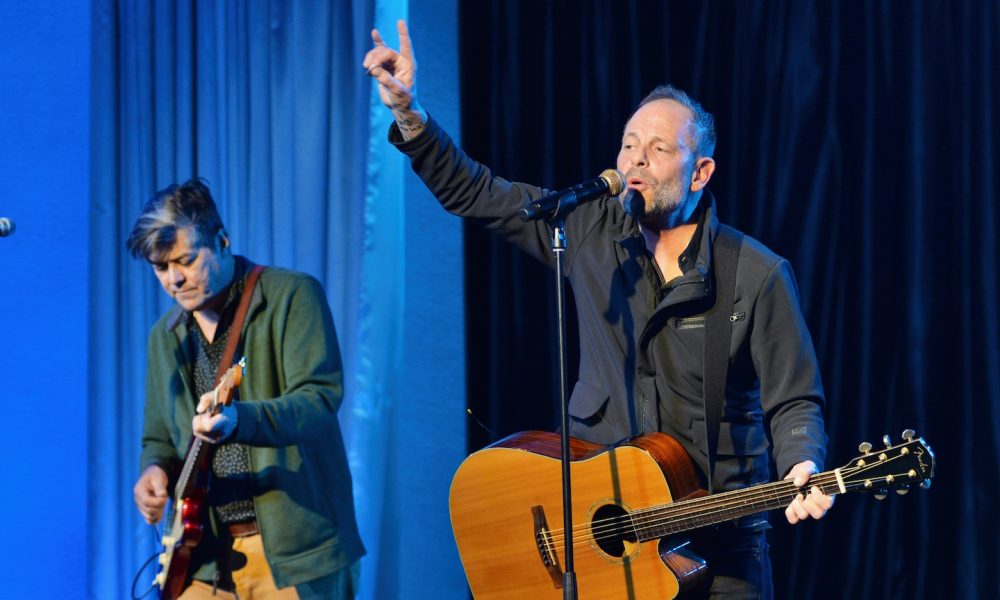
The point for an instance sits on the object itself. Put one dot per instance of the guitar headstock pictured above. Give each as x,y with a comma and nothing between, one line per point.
894,467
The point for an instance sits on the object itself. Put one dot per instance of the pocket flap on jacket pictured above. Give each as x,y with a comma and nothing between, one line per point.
587,400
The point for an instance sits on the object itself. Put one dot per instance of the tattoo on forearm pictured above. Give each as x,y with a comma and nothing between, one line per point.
409,125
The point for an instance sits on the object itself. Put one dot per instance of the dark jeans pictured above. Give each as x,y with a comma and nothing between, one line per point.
739,561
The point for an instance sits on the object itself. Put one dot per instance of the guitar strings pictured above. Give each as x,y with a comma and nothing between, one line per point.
709,509
651,516
196,443
658,515
648,515
706,510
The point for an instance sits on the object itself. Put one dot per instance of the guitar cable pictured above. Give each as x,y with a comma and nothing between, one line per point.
152,586
135,581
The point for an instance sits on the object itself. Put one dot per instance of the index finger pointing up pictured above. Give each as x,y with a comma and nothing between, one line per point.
405,45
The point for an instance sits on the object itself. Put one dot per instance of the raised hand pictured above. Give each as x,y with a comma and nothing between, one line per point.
396,74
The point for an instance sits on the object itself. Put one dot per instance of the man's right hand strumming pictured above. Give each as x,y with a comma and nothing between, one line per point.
150,493
396,73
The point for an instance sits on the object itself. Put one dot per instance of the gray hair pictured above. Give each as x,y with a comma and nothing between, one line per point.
185,206
702,122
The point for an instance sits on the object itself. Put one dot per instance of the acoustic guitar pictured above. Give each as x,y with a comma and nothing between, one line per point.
187,524
629,502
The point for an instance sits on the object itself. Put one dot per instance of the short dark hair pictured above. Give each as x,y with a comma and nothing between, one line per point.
702,122
188,206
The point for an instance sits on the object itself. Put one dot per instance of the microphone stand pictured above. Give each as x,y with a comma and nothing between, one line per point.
557,222
554,208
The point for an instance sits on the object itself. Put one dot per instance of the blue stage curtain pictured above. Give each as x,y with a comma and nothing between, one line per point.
267,101
45,78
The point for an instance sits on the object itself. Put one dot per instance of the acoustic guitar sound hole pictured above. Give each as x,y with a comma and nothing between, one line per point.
611,528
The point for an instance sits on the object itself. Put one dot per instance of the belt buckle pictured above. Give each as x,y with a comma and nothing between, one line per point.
244,529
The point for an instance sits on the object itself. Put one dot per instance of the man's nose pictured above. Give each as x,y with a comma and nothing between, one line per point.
175,276
638,157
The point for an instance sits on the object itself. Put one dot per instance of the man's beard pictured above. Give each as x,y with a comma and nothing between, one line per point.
665,202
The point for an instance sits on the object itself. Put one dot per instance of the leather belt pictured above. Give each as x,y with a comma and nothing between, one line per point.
243,529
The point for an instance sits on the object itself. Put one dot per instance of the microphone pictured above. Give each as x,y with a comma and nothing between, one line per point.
609,183
6,227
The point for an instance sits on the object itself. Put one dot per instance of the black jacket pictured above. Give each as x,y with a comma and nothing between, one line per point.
642,341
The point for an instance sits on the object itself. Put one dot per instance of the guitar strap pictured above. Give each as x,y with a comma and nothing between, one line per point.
236,329
718,336
223,573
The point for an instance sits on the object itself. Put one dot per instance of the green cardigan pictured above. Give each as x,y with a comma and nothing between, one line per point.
291,390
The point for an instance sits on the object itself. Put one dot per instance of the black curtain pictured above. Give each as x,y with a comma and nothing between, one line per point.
858,139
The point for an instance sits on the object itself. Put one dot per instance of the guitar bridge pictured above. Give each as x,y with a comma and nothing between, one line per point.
546,548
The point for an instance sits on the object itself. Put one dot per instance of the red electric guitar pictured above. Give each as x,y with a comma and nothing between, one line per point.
189,494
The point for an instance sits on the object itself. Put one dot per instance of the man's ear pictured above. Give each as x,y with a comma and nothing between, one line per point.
703,169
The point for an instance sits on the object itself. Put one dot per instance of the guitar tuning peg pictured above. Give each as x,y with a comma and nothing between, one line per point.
926,484
909,434
881,495
864,447
901,490
886,441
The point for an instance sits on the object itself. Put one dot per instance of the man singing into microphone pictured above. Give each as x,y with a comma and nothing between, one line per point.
645,271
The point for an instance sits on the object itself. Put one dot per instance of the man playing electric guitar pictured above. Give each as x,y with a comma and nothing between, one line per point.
280,522
645,271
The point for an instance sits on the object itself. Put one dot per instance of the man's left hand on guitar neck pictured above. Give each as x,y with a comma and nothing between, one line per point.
815,503
214,428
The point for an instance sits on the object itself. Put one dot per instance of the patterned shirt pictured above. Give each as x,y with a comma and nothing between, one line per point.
231,490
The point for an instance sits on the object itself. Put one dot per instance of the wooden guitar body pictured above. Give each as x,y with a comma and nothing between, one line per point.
497,526
629,504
